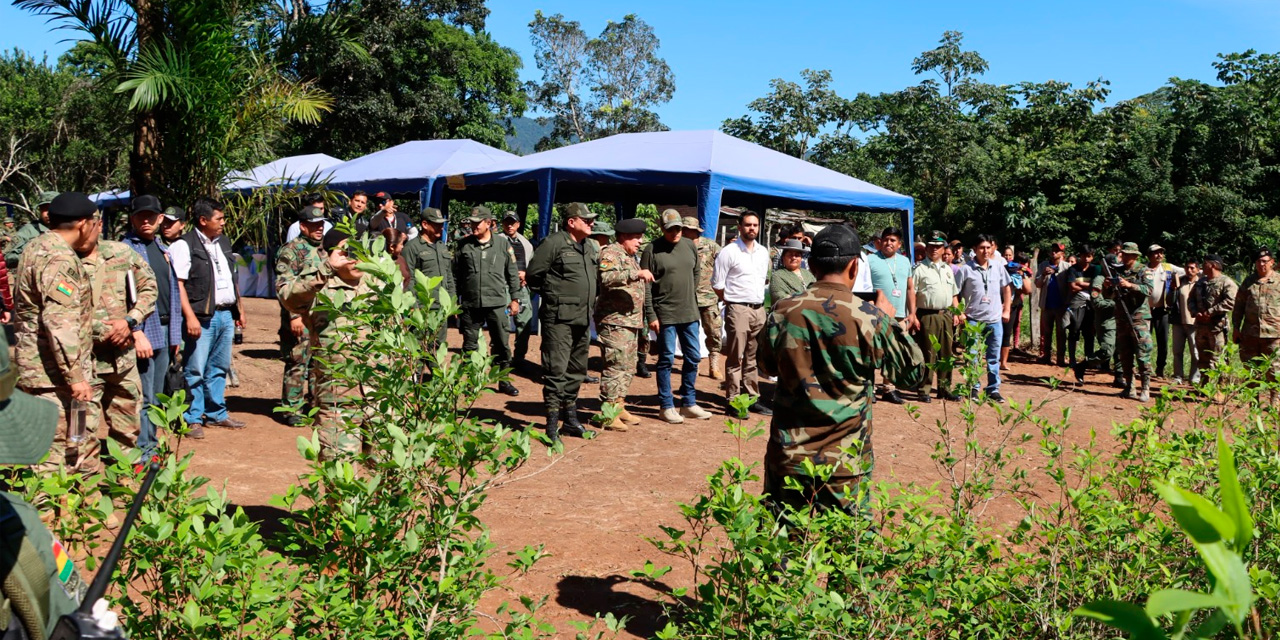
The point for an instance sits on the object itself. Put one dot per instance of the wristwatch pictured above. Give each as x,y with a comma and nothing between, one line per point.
133,324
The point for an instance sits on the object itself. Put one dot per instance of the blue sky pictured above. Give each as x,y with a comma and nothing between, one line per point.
725,53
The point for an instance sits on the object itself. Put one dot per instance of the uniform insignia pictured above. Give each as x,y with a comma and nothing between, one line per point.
65,289
62,561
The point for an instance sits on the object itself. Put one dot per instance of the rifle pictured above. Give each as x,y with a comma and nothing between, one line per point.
81,625
1109,274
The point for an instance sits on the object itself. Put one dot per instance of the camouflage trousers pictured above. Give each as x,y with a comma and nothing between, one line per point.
63,454
712,325
295,352
621,348
117,402
1104,328
338,405
523,323
815,496
1253,347
1133,342
1210,341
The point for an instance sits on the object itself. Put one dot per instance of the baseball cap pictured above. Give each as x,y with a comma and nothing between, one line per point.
381,196
310,213
26,423
1131,248
333,238
46,197
631,225
671,218
936,237
578,210
1154,248
176,214
690,222
602,228
72,205
1260,253
431,214
147,203
836,240
480,213
510,216
1058,246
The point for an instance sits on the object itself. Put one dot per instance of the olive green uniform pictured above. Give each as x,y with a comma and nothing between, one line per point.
20,240
433,260
487,282
39,563
565,274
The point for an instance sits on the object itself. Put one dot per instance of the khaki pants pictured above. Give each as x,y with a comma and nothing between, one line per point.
743,324
1253,347
939,325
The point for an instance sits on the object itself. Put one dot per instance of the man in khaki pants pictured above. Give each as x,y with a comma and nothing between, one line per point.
739,280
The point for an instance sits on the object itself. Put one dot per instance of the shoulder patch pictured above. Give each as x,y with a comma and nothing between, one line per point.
62,561
63,292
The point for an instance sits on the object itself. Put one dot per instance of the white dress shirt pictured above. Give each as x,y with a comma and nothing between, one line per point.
741,273
863,283
224,286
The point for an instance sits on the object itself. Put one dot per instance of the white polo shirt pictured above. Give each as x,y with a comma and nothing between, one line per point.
180,258
742,273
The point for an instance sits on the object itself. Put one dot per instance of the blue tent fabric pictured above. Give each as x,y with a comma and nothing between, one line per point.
277,172
706,168
413,166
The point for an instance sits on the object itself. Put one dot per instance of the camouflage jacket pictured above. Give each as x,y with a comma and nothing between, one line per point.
1216,297
621,298
825,346
114,298
54,306
20,240
1257,309
1133,300
707,252
298,257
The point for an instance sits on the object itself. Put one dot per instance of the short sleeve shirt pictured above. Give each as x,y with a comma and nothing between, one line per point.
891,275
980,289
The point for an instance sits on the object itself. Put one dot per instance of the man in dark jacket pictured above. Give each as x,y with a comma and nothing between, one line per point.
484,268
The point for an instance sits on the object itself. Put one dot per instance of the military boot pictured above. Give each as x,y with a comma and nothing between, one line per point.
1118,381
553,424
642,367
717,368
1126,391
628,418
571,425
1145,396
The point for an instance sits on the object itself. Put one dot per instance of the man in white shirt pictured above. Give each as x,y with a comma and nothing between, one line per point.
212,309
739,280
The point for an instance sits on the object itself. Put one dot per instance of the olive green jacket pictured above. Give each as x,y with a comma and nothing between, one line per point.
566,274
485,274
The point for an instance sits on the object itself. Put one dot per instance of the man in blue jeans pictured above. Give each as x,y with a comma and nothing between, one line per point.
672,310
157,339
985,290
211,310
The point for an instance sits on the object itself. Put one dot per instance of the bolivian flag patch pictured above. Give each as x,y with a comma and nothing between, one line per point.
63,562
65,289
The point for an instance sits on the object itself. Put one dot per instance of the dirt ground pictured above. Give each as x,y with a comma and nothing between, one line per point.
593,506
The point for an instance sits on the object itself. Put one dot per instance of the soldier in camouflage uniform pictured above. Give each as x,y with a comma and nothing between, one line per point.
1129,287
619,316
1104,321
335,278
124,294
824,401
708,303
29,231
1211,302
301,255
1255,320
54,305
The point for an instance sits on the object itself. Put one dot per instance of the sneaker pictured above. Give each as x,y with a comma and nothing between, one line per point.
591,380
1195,379
695,412
1177,381
672,415
995,396
227,423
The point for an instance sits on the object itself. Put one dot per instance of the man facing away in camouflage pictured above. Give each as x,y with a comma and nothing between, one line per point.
54,306
825,345
619,316
1255,320
301,255
1211,301
30,231
708,303
1130,286
124,294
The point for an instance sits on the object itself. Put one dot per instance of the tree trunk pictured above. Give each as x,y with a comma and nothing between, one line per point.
1032,303
144,159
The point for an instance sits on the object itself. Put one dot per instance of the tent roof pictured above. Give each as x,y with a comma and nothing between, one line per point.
285,170
666,167
412,166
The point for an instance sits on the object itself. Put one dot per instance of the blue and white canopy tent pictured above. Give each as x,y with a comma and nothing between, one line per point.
413,166
706,168
285,171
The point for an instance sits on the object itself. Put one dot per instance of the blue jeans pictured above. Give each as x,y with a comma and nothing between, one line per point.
992,334
152,371
687,333
206,363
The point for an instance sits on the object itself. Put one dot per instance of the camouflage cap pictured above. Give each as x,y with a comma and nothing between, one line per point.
1131,248
26,423
432,215
176,214
480,213
46,197
690,222
310,213
579,210
671,218
602,228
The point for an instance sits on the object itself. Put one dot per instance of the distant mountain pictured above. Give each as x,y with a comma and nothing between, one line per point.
527,135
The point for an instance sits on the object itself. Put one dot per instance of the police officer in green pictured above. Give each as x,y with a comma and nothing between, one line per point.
40,582
484,267
564,271
428,254
29,231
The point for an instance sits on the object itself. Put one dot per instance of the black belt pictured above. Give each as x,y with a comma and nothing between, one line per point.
748,304
224,307
928,312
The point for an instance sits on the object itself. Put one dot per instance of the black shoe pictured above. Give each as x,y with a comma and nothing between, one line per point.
1079,371
926,398
591,380
642,369
950,396
571,425
892,396
293,420
995,397
760,409
553,425
508,388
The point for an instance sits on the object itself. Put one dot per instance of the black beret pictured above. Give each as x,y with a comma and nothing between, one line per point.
631,225
1260,253
333,238
72,205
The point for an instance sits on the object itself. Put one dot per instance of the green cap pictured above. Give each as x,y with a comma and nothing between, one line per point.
26,423
46,197
480,213
602,228
578,210
431,214
671,218
1131,248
